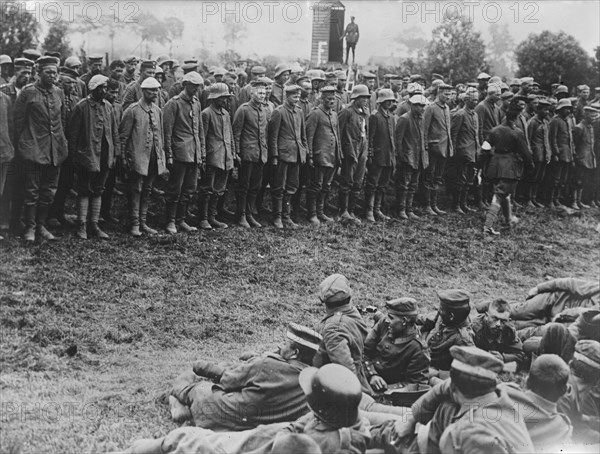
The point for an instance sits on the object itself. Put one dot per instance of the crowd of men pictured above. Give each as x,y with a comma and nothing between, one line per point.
406,382
295,134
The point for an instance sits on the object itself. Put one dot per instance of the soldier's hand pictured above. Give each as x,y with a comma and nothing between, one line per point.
378,383
404,427
274,161
169,163
497,355
203,165
369,160
310,162
237,161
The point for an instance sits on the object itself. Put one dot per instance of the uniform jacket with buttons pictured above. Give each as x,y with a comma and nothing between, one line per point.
138,138
323,137
382,128
537,131
507,343
183,129
442,337
218,136
397,359
39,117
561,141
465,134
7,150
436,130
250,132
583,141
134,92
354,130
92,123
510,150
344,332
410,144
490,116
287,135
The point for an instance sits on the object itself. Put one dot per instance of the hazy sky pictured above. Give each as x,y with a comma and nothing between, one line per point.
283,28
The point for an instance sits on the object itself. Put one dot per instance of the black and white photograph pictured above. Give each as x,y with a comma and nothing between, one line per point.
299,227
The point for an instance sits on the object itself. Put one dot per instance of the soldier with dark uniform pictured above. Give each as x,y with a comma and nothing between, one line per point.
381,159
282,74
93,146
537,131
324,154
177,87
354,130
74,64
585,159
246,92
39,135
561,144
305,94
450,326
394,351
133,92
341,97
7,150
94,67
130,66
117,68
185,151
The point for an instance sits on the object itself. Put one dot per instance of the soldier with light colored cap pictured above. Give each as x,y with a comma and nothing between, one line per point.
381,159
394,350
185,151
412,156
94,146
6,64
143,155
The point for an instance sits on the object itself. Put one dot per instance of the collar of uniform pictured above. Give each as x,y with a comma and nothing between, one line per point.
358,110
145,106
385,113
95,103
549,406
475,404
442,106
326,112
255,104
345,308
186,97
217,111
290,108
38,85
406,338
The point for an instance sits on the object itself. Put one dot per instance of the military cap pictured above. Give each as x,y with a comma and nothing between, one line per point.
162,59
462,96
562,89
402,306
472,92
526,80
360,91
445,86
257,82
219,72
564,103
588,351
301,79
258,70
436,76
68,72
305,85
436,83
52,53
96,81
418,99
454,298
23,63
495,80
507,95
5,59
504,87
282,68
472,84
582,87
72,61
535,84
368,75
266,80
175,63
95,58
150,82
31,54
595,105
290,89
415,77
341,75
483,76
334,289
218,90
414,88
190,65
385,94
47,61
514,82
148,64
328,89
391,76
475,362
159,70
545,102
193,78
296,68
494,88
330,76
591,108
597,89
304,336
131,59
315,74
231,74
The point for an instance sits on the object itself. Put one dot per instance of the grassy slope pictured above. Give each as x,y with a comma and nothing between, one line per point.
140,311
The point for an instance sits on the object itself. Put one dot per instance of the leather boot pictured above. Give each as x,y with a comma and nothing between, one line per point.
557,202
456,202
321,198
507,210
277,208
82,215
203,203
296,204
212,213
251,210
240,211
551,204
352,206
533,196
171,216
222,208
581,205
370,202
311,203
462,201
180,215
286,213
409,208
402,212
29,218
490,217
134,214
379,216
144,202
41,215
434,203
95,207
428,208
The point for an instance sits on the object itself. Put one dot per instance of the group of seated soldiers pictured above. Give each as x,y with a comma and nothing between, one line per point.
410,383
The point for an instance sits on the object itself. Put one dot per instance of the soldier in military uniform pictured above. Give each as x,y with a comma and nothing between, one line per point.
7,150
585,159
177,87
246,92
94,67
5,68
133,92
537,132
130,66
282,74
450,326
394,351
351,33
494,332
561,144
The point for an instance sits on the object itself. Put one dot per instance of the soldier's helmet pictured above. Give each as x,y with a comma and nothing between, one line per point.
218,90
359,91
385,94
333,393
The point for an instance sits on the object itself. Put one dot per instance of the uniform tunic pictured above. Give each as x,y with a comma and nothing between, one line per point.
442,337
507,342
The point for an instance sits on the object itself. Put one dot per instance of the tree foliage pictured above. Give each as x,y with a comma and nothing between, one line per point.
18,29
500,50
57,39
551,57
456,51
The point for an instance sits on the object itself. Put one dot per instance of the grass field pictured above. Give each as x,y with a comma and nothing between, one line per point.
93,332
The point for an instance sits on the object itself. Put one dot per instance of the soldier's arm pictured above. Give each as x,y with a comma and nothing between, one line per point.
274,125
372,132
337,347
371,342
401,126
205,123
20,114
303,138
552,138
346,140
456,124
424,408
128,97
417,367
169,113
513,350
73,129
115,131
427,116
578,287
312,120
237,377
238,126
125,129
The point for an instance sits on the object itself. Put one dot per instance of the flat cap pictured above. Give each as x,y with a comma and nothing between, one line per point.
494,88
445,86
483,76
475,362
415,77
588,352
303,79
436,76
526,80
535,84
68,72
471,92
47,61
545,102
23,63
72,61
148,64
193,78
341,75
368,75
582,87
266,80
402,306
5,59
328,89
131,59
334,289
219,72
419,100
292,89
331,76
591,108
31,54
495,80
95,58
507,95
385,94
564,103
150,82
304,336
96,81
315,74
391,76
258,70
514,82
454,298
189,65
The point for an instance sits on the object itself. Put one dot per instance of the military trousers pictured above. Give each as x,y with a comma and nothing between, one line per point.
91,184
285,179
183,180
320,180
214,181
433,175
250,178
559,173
40,182
378,177
353,173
